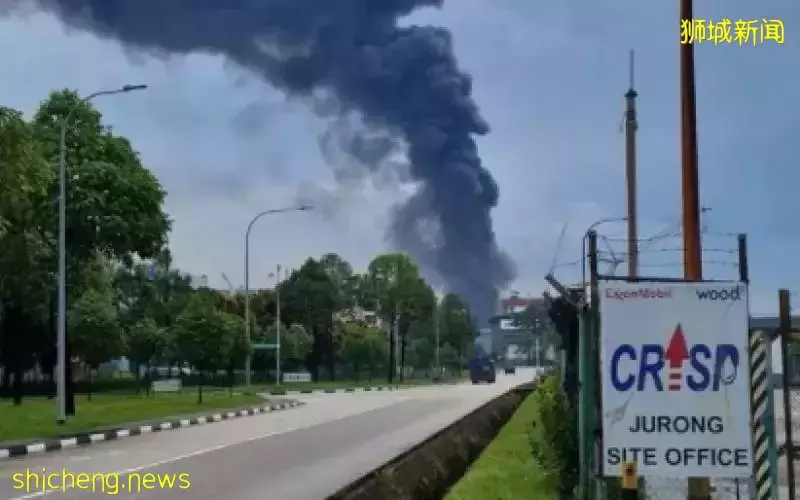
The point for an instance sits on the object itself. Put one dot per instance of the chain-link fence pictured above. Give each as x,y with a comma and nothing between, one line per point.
729,489
676,489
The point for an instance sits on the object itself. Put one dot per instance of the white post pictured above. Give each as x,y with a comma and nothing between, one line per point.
536,347
278,326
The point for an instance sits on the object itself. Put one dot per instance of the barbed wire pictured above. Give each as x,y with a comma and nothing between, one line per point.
665,235
615,252
680,264
681,250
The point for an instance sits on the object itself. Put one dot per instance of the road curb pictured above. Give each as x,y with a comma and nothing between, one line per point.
337,391
89,438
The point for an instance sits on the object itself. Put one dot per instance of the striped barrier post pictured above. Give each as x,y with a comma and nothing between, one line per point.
759,401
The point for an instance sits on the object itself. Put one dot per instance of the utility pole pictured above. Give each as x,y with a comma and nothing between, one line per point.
436,333
631,126
689,170
278,325
699,487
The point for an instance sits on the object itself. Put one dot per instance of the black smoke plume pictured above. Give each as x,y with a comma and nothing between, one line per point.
402,80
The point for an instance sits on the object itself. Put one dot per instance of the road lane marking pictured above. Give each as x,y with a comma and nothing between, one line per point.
166,461
177,458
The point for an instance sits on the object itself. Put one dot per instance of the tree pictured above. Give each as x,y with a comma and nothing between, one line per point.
535,319
362,346
455,325
145,341
400,297
96,334
114,206
424,352
450,358
25,273
152,289
341,275
114,203
233,326
418,303
204,337
296,344
310,298
262,307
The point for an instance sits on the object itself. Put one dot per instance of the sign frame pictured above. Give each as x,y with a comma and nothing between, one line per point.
667,400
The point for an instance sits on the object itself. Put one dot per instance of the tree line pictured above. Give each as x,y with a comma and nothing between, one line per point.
125,298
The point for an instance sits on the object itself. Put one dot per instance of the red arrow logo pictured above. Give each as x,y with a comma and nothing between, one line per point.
677,353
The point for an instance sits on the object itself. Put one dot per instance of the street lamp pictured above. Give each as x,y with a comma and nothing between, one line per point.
277,275
62,247
249,358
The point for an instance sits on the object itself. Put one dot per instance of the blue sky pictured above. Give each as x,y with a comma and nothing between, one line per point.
549,78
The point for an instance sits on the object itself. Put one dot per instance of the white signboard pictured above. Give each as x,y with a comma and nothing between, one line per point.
509,324
676,378
297,377
167,385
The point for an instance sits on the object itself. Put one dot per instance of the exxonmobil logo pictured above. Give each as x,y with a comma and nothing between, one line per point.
723,294
638,293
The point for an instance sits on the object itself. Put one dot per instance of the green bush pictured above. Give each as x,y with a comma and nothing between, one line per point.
553,437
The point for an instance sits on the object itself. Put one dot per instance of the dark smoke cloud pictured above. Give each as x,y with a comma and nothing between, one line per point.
401,80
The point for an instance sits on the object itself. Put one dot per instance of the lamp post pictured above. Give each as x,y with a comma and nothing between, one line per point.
437,332
249,358
278,326
61,334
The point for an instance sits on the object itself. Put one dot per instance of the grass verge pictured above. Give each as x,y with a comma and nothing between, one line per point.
506,469
35,418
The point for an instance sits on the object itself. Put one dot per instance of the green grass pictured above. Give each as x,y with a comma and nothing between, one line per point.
506,469
35,418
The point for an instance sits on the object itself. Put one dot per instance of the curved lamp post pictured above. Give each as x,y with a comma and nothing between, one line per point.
62,247
249,358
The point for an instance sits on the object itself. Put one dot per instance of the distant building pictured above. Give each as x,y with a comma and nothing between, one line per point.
506,337
358,315
516,304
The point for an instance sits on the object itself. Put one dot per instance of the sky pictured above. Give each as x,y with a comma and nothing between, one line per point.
549,78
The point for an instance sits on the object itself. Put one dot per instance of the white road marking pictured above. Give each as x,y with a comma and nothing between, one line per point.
166,461
196,453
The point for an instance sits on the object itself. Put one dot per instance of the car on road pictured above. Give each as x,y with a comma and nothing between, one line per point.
510,370
481,369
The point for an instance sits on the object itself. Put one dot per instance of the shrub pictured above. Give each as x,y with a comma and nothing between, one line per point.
553,436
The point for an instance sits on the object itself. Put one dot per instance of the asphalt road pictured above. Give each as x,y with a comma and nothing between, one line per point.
305,453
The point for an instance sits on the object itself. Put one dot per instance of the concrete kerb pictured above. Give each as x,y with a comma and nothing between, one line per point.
339,390
21,450
366,388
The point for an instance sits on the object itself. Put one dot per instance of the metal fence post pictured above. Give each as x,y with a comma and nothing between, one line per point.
586,412
769,416
785,322
594,360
